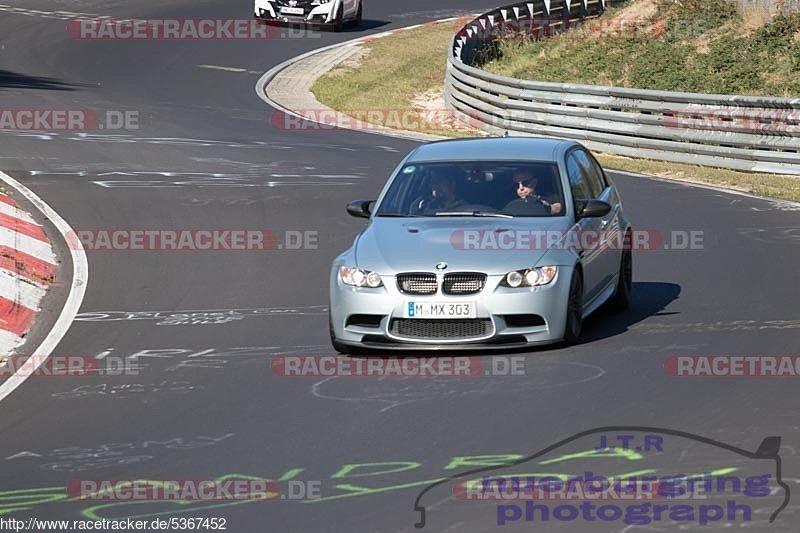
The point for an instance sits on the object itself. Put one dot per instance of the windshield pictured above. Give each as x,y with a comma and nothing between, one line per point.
503,189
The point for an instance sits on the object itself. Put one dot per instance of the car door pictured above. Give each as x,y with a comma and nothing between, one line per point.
609,253
593,270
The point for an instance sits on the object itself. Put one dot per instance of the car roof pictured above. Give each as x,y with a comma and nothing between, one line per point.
493,149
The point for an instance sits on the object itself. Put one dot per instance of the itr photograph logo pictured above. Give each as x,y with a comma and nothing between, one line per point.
616,472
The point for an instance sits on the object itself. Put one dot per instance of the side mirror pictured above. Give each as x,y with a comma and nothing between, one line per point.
595,209
359,208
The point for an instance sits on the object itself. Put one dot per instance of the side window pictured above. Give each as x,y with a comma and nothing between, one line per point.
599,170
592,171
578,183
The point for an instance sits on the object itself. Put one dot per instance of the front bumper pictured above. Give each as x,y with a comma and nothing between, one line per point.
312,15
508,316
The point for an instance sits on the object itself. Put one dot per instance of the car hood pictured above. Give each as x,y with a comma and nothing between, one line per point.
393,245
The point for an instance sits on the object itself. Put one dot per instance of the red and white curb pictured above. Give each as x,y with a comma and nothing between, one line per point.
27,271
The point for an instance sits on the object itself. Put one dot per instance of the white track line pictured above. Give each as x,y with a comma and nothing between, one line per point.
787,205
80,277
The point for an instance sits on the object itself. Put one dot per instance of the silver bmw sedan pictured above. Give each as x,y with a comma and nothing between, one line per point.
482,243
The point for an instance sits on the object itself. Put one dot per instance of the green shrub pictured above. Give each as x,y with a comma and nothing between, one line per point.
704,48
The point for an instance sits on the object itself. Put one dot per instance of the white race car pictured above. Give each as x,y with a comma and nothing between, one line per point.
326,13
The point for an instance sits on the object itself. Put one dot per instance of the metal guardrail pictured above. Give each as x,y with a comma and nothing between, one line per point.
771,7
749,133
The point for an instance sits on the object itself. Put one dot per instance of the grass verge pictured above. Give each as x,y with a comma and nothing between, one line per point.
403,73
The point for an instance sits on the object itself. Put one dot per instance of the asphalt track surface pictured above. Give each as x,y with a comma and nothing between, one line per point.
209,404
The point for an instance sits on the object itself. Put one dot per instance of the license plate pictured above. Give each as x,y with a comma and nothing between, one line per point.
440,310
292,11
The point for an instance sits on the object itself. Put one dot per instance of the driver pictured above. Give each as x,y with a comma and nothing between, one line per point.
443,193
529,201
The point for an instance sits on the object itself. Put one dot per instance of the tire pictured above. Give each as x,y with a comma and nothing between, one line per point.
574,322
338,346
359,15
621,299
338,23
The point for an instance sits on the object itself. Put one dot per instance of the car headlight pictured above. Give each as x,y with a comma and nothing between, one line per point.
530,277
320,2
357,277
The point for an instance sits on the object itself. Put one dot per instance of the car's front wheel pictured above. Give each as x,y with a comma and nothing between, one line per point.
338,346
338,23
622,296
359,15
574,325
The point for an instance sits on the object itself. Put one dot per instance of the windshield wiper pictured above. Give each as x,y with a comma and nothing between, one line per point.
471,214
